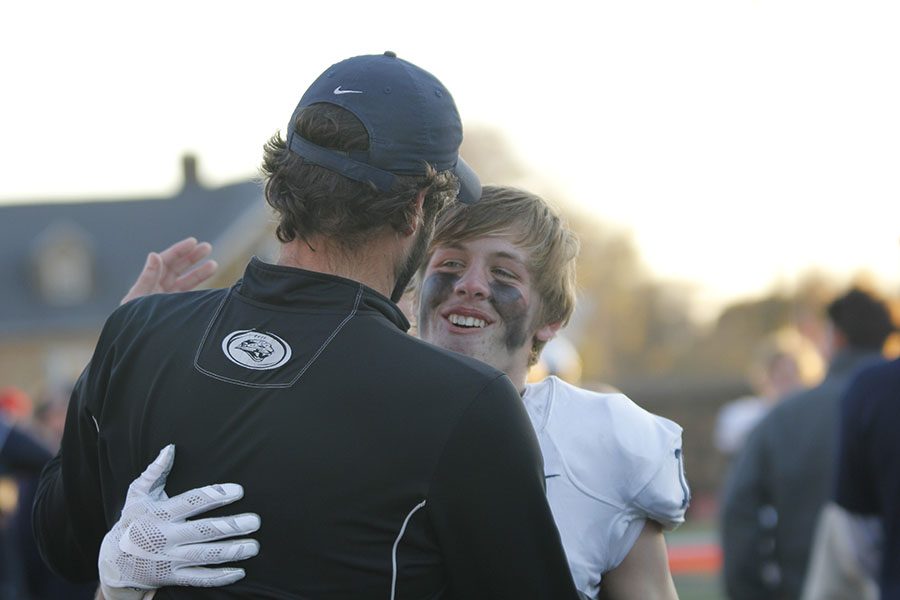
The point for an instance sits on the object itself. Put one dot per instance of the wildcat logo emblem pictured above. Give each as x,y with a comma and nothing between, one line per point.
256,350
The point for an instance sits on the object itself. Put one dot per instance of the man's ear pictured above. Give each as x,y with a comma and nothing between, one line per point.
418,213
548,331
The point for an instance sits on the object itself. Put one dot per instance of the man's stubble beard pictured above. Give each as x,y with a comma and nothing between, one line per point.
407,268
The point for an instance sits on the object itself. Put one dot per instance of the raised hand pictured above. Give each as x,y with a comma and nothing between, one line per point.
175,269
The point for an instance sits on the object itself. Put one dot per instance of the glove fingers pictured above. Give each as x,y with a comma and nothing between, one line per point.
200,500
153,479
200,577
216,552
213,528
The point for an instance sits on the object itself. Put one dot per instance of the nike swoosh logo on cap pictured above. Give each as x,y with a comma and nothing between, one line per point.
338,91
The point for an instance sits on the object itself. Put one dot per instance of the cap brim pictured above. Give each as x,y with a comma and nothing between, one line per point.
469,183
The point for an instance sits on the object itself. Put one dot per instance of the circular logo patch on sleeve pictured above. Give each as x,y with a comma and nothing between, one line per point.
255,350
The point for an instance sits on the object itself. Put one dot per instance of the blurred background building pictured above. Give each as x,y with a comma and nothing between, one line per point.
65,266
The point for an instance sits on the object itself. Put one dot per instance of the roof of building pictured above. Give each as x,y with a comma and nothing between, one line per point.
108,241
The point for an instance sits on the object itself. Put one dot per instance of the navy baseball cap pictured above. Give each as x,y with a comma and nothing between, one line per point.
410,117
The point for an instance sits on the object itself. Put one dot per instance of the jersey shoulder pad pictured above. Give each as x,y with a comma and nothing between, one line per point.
613,446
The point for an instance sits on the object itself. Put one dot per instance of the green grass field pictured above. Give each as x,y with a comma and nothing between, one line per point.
699,587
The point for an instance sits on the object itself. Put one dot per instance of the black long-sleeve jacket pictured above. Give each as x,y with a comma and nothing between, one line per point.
382,467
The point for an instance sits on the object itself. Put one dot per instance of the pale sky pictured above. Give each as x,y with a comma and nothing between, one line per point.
741,142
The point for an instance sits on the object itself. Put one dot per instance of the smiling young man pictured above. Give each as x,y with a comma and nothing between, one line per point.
499,281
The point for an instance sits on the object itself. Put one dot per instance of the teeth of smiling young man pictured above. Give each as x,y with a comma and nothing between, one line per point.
466,321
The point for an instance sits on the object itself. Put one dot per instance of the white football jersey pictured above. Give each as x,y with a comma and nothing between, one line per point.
610,465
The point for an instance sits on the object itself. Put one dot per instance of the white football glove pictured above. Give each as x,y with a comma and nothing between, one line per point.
153,545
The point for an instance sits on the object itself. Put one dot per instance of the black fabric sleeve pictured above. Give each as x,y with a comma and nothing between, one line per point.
68,514
56,538
745,495
488,506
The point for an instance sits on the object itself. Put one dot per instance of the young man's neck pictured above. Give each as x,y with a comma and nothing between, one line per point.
516,370
372,264
519,380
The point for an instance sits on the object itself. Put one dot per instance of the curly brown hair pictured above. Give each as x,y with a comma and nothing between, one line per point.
312,200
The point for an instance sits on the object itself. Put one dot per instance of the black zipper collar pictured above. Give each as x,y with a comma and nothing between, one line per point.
292,288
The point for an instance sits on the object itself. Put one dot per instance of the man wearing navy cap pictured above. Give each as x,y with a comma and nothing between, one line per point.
380,466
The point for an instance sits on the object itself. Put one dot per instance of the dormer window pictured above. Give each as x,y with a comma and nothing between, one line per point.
63,265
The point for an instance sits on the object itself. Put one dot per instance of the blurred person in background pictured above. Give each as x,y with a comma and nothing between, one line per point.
498,283
49,418
23,453
21,457
857,548
784,362
868,481
845,557
784,475
16,406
